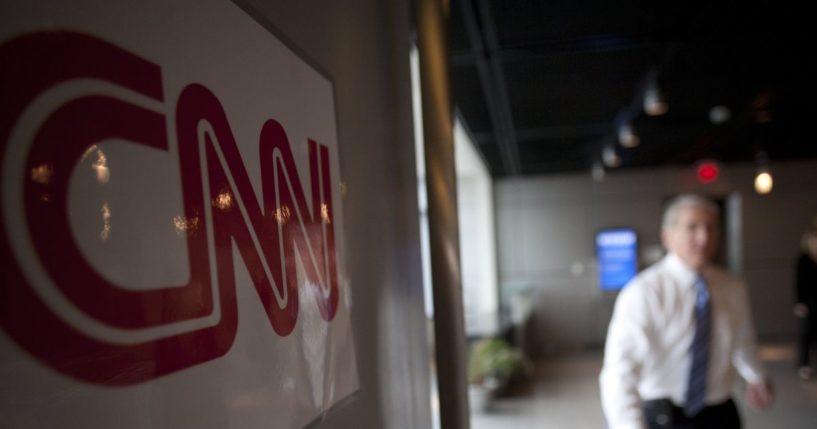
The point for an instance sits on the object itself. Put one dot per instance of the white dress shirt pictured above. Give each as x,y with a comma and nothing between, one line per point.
646,355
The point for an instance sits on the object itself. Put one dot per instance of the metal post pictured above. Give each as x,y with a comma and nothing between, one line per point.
451,353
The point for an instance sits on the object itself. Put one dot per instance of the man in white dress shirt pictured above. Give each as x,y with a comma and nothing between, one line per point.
680,331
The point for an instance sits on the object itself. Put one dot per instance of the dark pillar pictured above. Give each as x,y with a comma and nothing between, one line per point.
451,353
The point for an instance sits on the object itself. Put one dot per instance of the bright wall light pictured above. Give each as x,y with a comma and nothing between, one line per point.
763,182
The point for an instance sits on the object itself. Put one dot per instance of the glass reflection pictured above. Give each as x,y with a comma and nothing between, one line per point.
325,214
103,174
106,222
88,152
186,226
100,166
223,201
42,174
282,215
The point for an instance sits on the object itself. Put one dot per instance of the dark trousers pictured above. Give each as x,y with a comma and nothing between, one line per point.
808,332
663,414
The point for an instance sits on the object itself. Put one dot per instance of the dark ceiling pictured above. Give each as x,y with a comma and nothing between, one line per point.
543,86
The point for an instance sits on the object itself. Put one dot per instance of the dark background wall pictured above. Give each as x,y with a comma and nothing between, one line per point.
546,226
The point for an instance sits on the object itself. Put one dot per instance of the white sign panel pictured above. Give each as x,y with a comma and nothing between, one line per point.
171,241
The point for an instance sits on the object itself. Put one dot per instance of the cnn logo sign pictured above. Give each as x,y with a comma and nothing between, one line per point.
287,224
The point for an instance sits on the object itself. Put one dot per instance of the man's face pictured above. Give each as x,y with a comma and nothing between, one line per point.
693,237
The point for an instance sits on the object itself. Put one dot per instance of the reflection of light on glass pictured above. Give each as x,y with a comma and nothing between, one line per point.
186,226
282,215
223,201
88,151
325,213
45,197
103,174
42,174
106,222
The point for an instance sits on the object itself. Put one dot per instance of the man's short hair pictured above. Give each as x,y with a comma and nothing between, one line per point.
686,200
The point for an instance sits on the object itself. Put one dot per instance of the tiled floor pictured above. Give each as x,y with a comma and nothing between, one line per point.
565,394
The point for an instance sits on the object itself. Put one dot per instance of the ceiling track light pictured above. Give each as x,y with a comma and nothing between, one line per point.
627,136
719,114
610,157
764,182
655,101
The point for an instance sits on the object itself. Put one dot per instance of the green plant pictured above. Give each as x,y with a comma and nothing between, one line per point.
493,360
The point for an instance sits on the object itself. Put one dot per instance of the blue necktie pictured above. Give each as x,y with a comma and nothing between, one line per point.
696,389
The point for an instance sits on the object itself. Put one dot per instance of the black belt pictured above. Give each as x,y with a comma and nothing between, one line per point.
663,414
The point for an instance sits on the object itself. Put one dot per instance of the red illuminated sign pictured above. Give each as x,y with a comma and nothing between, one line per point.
268,234
708,172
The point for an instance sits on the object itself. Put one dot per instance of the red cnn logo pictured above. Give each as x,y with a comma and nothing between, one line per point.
268,235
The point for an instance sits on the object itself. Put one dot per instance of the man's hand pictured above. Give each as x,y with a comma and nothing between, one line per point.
760,396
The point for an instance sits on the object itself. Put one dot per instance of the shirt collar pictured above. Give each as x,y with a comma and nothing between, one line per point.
682,270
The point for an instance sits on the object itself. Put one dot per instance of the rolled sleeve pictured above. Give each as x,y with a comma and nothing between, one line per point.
627,344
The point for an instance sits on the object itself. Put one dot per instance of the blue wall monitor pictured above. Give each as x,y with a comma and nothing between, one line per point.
617,252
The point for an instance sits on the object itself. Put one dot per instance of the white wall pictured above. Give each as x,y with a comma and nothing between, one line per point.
475,206
545,241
